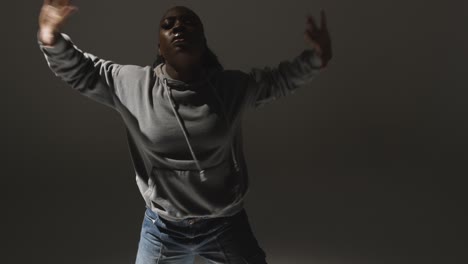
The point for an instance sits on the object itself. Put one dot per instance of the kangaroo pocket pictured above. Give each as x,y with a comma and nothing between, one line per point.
183,192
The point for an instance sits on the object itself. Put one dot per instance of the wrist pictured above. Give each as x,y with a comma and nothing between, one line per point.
47,36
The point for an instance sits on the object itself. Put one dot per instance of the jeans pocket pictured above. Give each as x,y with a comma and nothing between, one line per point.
151,216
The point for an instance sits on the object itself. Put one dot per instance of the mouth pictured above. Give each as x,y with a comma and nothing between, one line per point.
179,38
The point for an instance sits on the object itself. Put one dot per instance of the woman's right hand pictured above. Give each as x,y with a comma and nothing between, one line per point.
52,16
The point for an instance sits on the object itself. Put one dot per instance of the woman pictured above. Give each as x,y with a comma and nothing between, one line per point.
183,119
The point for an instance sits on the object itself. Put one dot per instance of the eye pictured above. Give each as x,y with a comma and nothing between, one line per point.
190,20
167,24
187,20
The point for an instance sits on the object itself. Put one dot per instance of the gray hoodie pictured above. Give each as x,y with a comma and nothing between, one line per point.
185,139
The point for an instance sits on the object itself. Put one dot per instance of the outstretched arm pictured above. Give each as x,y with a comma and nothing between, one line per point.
268,84
85,72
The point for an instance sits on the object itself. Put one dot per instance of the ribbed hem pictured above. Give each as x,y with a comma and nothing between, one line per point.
228,211
59,46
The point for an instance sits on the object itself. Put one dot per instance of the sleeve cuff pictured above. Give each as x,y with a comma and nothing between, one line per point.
59,46
312,57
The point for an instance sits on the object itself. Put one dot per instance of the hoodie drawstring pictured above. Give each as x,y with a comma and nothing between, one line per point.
184,131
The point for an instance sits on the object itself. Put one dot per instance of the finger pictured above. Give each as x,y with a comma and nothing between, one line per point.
313,44
309,38
312,29
54,3
47,10
60,3
69,10
311,23
323,22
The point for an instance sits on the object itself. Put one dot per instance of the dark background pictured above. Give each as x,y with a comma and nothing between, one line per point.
364,165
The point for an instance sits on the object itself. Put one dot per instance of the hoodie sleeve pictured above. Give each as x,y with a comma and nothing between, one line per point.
268,84
89,75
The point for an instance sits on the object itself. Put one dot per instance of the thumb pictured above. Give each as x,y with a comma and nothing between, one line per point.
69,10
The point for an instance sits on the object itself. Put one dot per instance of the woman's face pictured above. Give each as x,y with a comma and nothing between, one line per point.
181,37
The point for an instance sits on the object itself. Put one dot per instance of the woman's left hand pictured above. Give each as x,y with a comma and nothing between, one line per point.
318,38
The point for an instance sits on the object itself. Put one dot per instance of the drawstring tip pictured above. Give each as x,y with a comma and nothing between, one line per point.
202,176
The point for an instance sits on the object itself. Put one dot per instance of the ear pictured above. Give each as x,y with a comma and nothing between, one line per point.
159,49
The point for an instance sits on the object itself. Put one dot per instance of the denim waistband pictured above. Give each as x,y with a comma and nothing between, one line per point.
192,220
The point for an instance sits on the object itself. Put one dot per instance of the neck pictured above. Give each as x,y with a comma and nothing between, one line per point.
186,74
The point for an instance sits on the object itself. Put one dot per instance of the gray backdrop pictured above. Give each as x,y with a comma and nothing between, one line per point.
364,165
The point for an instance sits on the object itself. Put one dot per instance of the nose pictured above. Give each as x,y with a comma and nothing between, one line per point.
178,27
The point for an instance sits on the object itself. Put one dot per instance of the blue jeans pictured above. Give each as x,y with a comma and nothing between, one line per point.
217,240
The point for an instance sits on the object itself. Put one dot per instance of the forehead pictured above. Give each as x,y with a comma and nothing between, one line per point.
178,12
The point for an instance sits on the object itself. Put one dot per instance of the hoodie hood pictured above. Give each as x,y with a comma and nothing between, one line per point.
208,74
